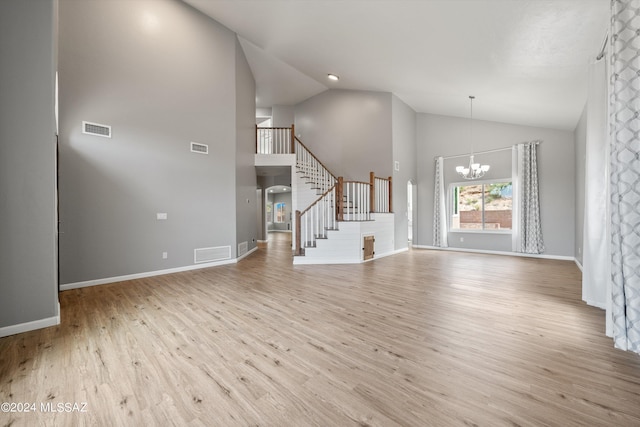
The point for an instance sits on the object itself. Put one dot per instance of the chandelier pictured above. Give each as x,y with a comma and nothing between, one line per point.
474,170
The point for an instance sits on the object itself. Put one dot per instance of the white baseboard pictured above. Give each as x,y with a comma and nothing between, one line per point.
305,260
396,252
596,304
247,254
578,263
106,280
31,326
302,260
482,251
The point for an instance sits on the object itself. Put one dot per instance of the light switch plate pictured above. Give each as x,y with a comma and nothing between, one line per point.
161,215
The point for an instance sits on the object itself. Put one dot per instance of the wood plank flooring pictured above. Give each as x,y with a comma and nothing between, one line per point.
423,338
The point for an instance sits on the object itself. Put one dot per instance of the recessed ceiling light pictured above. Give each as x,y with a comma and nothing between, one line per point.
333,77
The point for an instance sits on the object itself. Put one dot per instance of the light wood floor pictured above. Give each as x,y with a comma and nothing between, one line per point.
423,338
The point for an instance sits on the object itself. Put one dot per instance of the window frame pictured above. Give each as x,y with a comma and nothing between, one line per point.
279,213
451,206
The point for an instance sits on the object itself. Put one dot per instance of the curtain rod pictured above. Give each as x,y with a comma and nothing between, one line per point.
484,152
604,47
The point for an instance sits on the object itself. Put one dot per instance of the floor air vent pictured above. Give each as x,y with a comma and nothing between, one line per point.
199,148
96,129
211,254
242,248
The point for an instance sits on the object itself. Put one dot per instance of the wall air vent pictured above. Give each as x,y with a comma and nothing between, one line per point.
218,253
96,129
242,248
199,148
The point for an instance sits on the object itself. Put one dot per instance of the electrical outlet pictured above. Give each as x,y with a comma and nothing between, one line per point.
161,215
165,255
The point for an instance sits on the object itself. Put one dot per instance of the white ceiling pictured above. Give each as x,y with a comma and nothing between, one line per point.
524,60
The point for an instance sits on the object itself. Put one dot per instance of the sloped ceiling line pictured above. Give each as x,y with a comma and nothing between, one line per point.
525,60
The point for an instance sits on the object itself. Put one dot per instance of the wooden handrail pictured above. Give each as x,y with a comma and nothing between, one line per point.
316,159
318,200
356,182
324,198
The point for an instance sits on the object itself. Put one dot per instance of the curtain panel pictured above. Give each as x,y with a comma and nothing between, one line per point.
624,118
527,229
439,207
596,242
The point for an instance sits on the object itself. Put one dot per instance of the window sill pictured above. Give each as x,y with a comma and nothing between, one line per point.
470,231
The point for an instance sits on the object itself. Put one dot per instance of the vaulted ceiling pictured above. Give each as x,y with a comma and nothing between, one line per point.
526,61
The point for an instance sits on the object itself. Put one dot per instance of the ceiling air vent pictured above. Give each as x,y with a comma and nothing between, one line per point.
199,148
96,129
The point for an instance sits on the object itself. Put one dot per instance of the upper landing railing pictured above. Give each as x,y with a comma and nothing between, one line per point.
275,140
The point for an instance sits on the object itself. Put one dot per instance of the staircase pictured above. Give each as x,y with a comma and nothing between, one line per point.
337,213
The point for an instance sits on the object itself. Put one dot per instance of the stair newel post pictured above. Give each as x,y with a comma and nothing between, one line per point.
293,139
339,200
257,139
372,194
390,194
298,229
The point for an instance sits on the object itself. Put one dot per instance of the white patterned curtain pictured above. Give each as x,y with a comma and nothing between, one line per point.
527,230
596,243
439,207
624,120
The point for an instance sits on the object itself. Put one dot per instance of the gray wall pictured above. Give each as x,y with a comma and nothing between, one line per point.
403,123
246,201
28,274
580,159
349,131
282,116
161,74
263,112
447,136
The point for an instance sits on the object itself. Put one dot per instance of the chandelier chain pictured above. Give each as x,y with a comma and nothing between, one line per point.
474,170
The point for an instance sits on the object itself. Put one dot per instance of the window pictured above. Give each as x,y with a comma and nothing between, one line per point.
482,206
280,212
